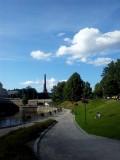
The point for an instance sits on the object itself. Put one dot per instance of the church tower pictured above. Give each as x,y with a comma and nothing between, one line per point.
44,85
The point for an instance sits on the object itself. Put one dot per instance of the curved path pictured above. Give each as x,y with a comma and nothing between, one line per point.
66,141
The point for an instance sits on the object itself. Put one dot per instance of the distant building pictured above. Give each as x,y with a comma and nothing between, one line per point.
14,93
3,92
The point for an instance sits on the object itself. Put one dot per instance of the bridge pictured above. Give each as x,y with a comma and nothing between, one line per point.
31,102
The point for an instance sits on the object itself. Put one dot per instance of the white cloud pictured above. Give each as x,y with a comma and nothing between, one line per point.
60,34
39,55
39,83
101,61
70,62
90,42
63,80
67,40
30,82
50,83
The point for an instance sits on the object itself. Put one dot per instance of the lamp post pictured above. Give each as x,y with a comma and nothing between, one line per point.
85,102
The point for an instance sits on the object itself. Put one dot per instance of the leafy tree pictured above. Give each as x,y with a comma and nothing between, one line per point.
24,99
111,79
73,88
87,91
30,92
98,91
57,91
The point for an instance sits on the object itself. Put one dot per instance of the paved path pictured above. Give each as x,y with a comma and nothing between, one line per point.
65,141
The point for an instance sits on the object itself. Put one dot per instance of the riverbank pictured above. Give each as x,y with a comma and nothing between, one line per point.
15,144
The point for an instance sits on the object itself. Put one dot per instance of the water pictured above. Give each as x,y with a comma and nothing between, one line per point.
28,116
9,122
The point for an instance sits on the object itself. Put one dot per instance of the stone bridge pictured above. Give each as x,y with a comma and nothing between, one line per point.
32,102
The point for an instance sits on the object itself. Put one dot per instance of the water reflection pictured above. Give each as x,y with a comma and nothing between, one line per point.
27,115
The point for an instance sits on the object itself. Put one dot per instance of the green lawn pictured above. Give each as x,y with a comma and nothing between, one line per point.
108,125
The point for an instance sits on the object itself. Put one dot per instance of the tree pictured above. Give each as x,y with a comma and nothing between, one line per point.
73,88
24,99
30,92
111,79
98,91
87,91
57,91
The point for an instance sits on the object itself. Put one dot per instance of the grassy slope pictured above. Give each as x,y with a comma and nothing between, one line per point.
109,123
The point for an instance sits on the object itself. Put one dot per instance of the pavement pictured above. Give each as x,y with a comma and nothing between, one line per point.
66,141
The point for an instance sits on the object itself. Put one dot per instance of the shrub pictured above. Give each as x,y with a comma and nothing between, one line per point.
13,146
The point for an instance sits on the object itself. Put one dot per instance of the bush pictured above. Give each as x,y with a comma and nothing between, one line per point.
13,146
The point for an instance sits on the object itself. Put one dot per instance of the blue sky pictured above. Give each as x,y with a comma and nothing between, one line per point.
56,38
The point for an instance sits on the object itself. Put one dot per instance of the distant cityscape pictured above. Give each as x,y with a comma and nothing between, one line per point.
17,93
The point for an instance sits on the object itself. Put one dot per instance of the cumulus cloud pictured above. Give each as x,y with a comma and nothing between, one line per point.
90,42
67,40
30,82
51,82
39,83
39,55
101,61
60,34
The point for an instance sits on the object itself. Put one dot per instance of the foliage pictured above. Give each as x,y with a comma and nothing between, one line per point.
30,92
98,91
111,79
13,146
24,99
73,88
87,91
57,91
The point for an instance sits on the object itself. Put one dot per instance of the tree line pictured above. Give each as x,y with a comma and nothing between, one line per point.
28,93
109,85
75,89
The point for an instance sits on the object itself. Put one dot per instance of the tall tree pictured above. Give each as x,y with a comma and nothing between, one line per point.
57,91
111,79
87,91
98,91
73,88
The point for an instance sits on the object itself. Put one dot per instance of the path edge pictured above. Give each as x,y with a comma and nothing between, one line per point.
37,141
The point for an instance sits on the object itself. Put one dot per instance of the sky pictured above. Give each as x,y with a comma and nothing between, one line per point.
57,38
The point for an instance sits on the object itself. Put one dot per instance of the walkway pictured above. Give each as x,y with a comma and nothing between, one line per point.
65,141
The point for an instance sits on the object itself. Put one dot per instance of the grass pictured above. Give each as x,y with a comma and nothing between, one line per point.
14,145
108,125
